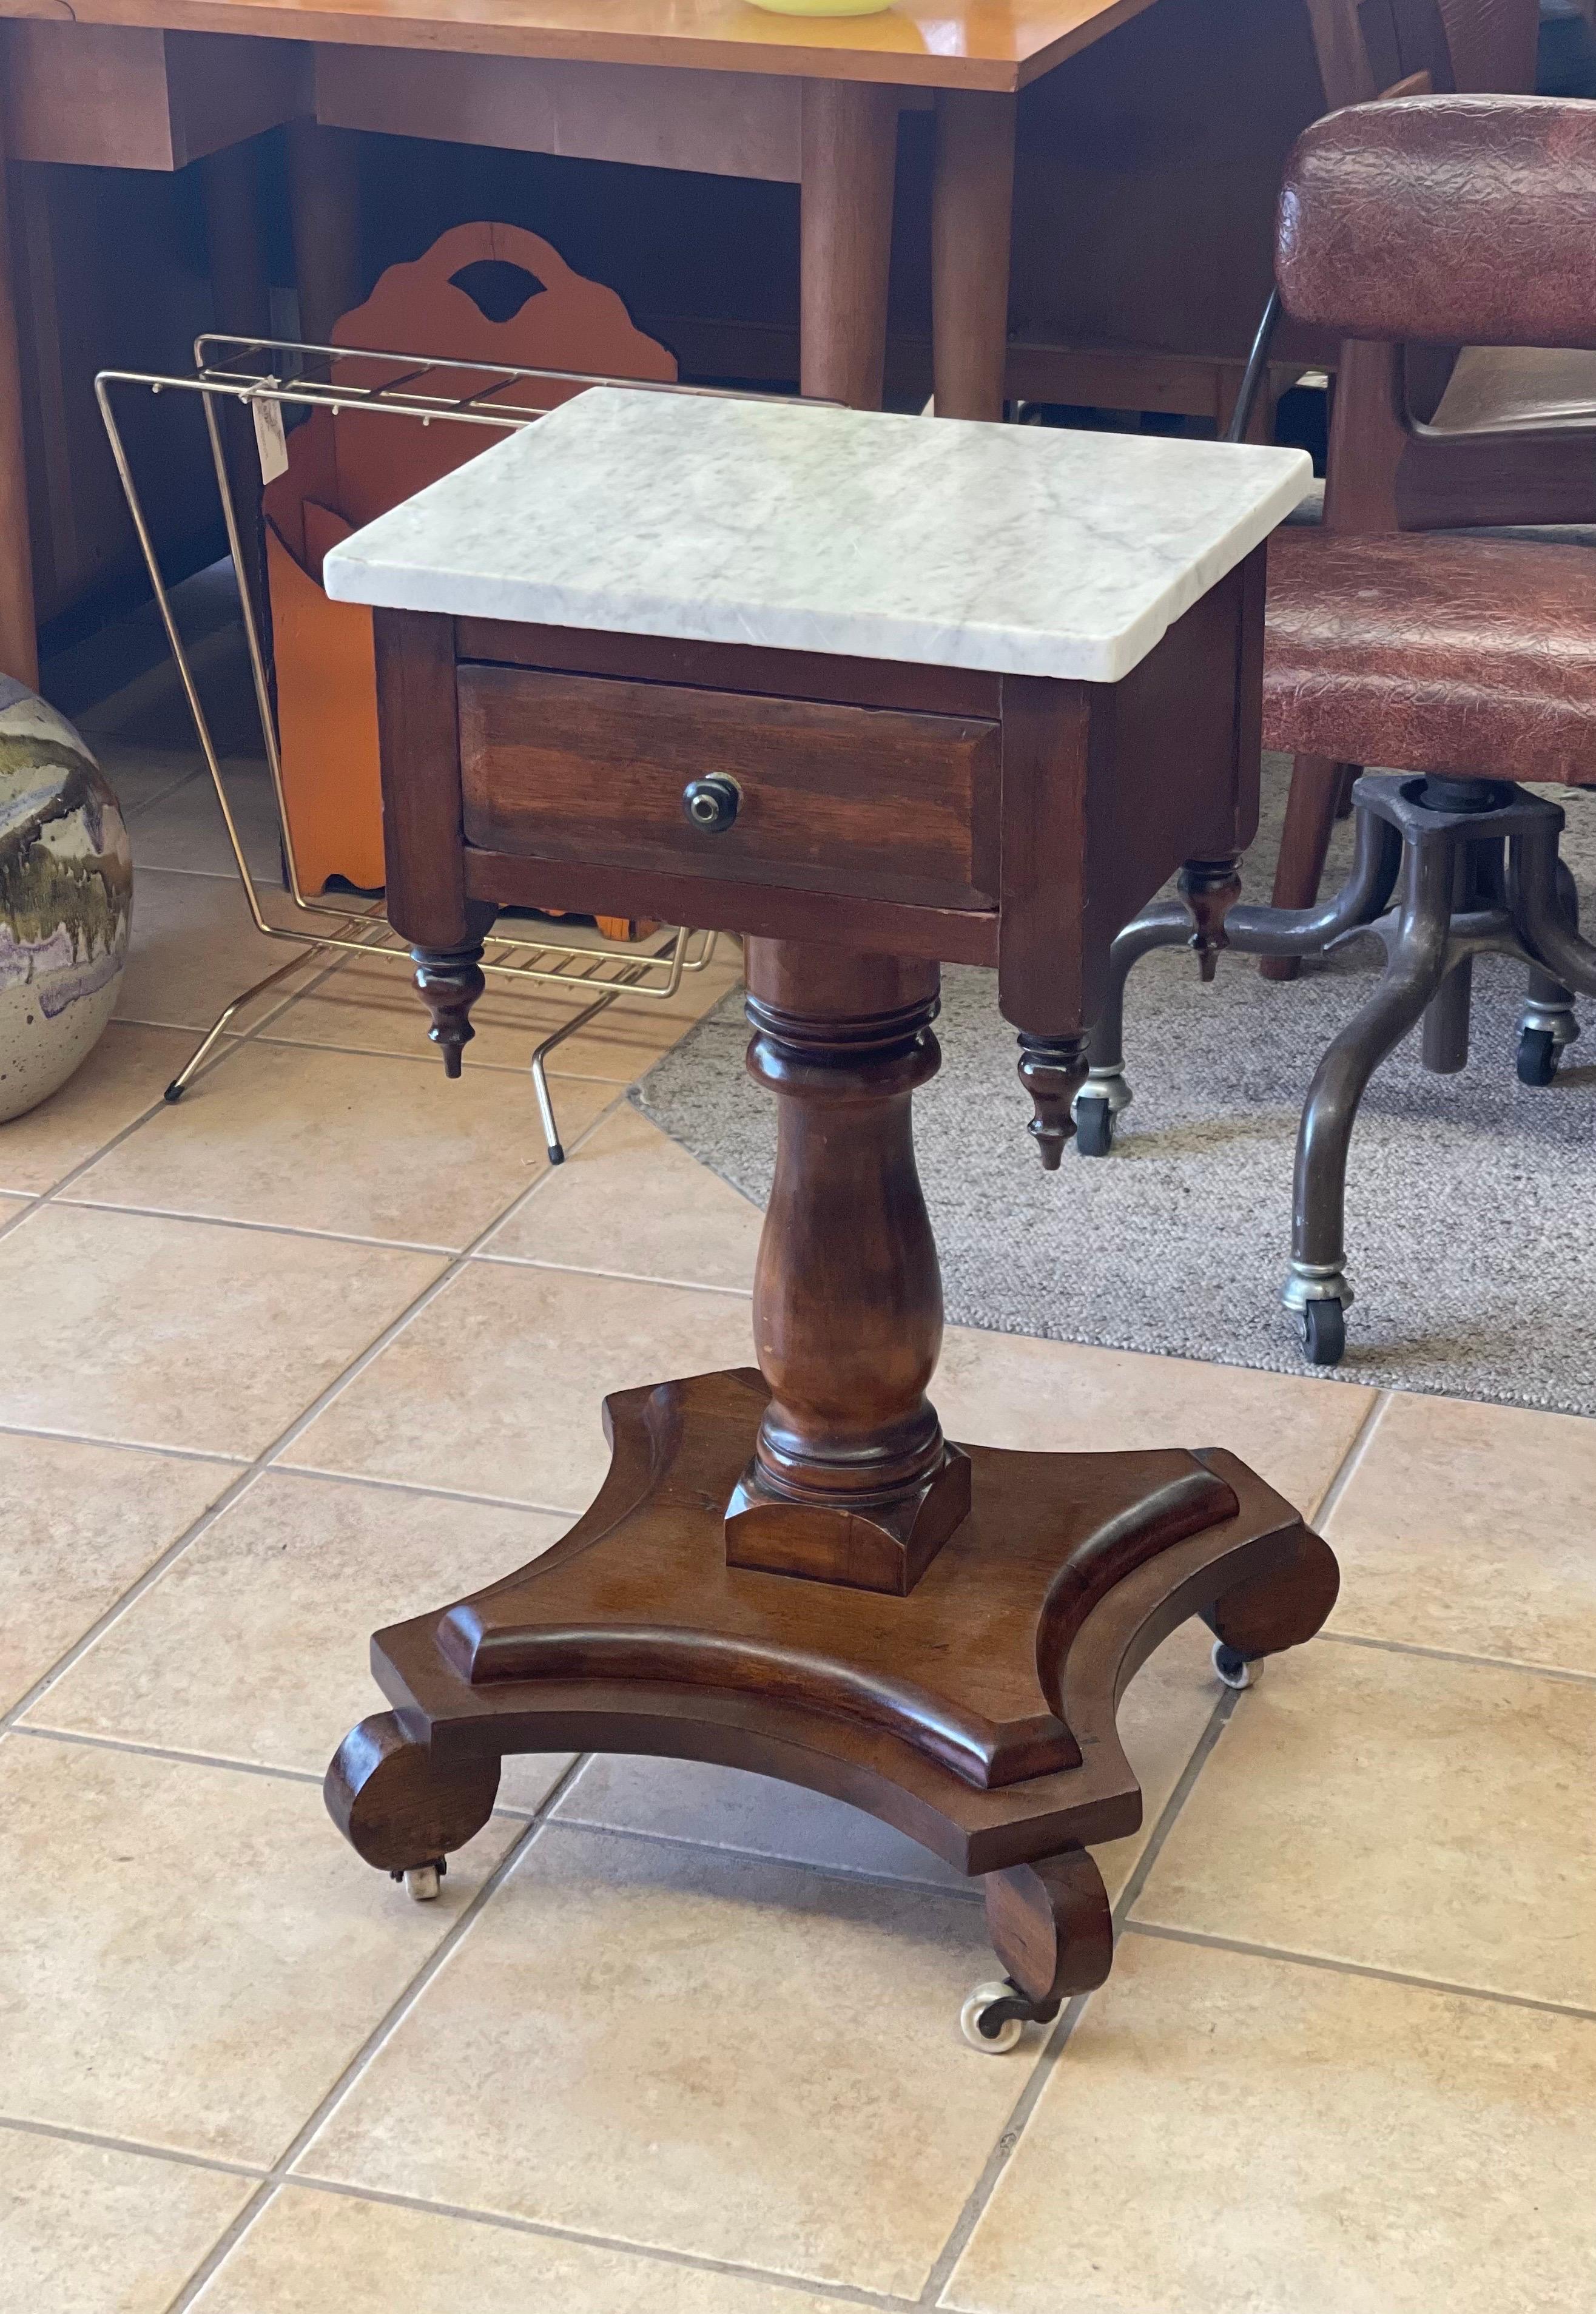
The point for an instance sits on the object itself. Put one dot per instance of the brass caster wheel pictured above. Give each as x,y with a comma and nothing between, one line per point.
1236,1671
993,2018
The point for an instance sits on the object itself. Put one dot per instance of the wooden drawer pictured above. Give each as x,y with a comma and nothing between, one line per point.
861,800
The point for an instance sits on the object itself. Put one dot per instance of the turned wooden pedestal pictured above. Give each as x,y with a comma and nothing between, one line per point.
793,1571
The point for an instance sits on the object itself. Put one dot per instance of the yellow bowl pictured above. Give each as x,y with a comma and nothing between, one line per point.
823,7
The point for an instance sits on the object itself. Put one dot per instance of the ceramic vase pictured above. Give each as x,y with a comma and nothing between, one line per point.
65,899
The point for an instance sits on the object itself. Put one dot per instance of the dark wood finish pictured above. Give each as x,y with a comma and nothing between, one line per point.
733,667
851,1480
1052,1926
972,220
830,798
795,1571
449,981
763,910
1211,889
849,160
1090,809
1052,1069
396,1806
19,648
932,1711
427,903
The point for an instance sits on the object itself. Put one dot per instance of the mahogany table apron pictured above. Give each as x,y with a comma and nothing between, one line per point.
792,1570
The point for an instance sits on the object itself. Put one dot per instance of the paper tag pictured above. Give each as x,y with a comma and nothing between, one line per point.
270,441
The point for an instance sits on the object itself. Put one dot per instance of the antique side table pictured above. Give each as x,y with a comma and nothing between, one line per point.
876,693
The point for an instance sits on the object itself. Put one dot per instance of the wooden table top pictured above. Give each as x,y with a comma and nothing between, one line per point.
986,44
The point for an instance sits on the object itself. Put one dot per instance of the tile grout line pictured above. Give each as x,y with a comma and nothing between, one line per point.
422,1060
802,2287
262,1463
306,1470
1458,1655
453,1268
119,1606
1342,1472
385,2027
230,1045
1062,2031
436,1494
1166,1933
123,1446
845,1873
25,2125
237,1222
395,1245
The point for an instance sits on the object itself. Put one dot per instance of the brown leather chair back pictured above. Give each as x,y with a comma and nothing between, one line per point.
1445,220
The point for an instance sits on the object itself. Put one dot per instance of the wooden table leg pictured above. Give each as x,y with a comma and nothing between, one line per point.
241,300
972,224
324,202
850,158
19,644
850,1480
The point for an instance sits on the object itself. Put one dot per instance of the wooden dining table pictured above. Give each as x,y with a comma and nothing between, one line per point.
715,87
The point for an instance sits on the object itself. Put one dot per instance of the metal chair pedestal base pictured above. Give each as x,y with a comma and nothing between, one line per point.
1444,870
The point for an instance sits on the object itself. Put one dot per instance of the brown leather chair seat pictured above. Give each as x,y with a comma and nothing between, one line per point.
1470,656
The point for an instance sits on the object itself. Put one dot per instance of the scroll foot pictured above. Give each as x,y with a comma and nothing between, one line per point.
398,1808
1050,1924
1274,1612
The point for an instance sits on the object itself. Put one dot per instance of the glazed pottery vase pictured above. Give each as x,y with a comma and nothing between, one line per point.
65,899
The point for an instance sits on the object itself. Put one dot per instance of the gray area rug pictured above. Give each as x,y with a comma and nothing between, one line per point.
1469,1219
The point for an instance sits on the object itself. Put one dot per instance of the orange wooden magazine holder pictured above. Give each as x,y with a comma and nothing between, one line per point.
344,471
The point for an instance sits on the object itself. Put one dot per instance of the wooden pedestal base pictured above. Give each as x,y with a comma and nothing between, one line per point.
976,1713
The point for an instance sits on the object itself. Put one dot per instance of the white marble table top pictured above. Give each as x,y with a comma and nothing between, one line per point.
1017,549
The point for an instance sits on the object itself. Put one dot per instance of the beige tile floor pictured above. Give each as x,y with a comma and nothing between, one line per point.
323,1346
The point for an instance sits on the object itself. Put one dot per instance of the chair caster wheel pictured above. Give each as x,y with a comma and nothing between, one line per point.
1236,1671
1094,1127
423,1883
1323,1323
1537,1057
993,2017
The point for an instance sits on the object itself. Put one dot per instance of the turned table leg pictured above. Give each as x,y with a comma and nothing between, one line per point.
850,155
426,902
324,205
972,225
19,644
851,1480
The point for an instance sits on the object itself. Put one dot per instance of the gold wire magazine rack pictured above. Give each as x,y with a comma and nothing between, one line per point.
265,377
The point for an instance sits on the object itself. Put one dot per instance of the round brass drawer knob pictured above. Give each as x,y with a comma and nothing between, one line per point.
711,804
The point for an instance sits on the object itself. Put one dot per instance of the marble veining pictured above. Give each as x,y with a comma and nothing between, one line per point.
1017,549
